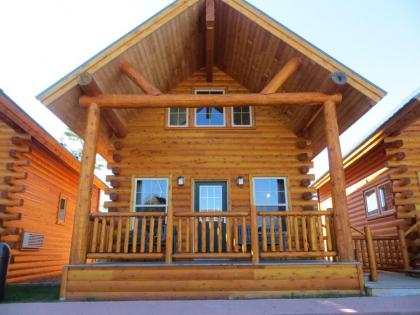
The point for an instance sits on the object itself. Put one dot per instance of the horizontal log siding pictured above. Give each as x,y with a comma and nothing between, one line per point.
152,150
47,179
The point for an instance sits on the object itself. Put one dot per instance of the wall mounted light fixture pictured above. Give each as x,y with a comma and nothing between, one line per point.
181,181
240,180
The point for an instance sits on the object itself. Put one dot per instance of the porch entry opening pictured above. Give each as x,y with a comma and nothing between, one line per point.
211,196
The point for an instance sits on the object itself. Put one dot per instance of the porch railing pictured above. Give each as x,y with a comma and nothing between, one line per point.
212,235
127,235
296,234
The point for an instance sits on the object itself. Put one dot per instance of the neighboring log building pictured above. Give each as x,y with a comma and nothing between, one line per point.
383,178
38,195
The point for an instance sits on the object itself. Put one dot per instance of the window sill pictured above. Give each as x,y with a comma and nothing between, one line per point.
385,214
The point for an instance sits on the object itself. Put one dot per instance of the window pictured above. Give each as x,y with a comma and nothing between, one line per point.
61,213
151,194
379,199
270,193
242,116
210,116
178,117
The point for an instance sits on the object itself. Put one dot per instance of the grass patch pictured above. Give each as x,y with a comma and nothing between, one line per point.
31,293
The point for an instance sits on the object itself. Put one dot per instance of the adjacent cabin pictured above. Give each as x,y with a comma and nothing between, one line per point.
209,115
39,180
383,188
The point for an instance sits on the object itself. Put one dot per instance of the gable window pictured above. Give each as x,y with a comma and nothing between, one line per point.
151,194
61,213
379,199
242,116
178,117
270,193
213,116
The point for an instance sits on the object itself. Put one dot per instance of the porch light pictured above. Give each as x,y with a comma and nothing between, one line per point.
181,181
240,180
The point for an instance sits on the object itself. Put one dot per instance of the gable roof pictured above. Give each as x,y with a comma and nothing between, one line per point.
250,46
408,113
11,111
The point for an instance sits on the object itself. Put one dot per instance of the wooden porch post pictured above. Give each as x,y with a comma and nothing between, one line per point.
254,236
338,190
81,214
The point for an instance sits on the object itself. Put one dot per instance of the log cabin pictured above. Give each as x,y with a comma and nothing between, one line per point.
209,114
383,190
39,180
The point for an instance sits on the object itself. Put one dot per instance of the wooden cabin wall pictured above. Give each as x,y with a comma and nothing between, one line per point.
153,150
409,179
45,179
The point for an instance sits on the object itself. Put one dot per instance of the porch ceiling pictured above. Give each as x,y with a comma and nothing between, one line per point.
249,46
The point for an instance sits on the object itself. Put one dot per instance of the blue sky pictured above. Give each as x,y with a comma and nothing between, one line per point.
378,39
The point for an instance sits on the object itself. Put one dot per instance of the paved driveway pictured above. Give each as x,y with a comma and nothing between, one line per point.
363,305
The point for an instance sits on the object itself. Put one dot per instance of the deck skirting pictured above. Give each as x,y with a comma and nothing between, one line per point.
205,281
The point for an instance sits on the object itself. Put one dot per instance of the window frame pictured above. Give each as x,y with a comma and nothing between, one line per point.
197,91
61,197
133,203
251,116
177,126
286,191
381,211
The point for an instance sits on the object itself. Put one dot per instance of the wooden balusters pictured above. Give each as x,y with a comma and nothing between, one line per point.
118,234
218,236
304,232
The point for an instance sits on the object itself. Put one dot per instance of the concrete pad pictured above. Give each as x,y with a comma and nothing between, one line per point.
393,284
360,305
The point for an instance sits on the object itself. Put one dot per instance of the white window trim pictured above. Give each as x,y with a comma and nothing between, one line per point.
136,179
286,204
224,110
251,114
169,119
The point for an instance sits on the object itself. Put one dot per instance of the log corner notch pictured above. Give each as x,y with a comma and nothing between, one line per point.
90,87
338,189
210,24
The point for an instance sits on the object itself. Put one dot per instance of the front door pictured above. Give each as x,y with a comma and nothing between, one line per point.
211,196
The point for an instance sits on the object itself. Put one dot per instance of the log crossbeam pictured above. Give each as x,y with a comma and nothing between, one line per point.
195,101
90,88
139,79
282,76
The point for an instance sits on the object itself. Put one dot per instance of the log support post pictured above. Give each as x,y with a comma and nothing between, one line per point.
254,236
83,203
169,235
371,254
338,188
404,249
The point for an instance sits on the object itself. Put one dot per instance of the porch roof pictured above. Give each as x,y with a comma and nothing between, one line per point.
249,46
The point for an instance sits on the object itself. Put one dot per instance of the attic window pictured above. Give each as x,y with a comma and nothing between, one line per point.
213,116
242,116
178,117
61,213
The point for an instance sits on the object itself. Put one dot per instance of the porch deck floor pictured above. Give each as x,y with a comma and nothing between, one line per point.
215,262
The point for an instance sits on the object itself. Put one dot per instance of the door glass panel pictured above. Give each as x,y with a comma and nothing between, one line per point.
211,198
